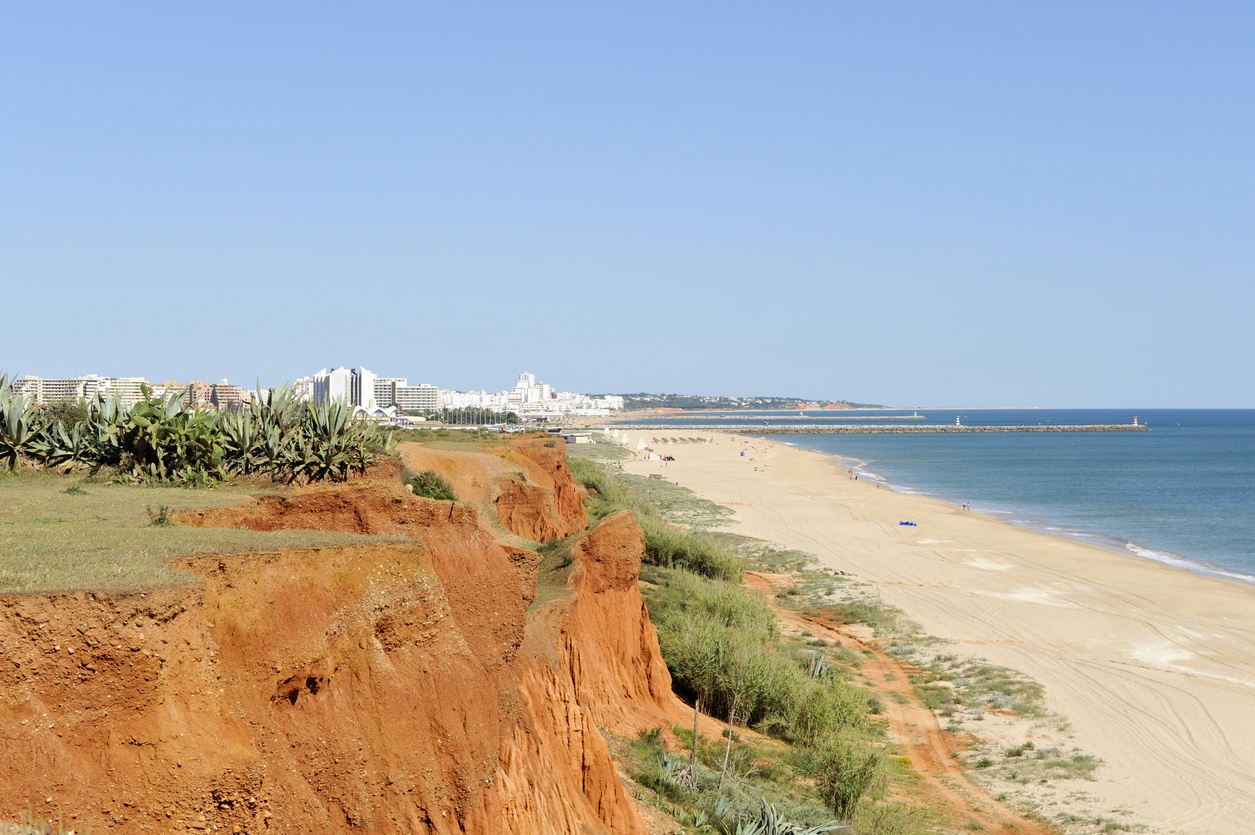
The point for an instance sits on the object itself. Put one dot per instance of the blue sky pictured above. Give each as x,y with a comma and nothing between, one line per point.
910,203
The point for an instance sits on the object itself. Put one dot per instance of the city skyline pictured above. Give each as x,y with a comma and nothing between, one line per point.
372,394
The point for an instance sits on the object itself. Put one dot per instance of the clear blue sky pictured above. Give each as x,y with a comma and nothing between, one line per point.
913,203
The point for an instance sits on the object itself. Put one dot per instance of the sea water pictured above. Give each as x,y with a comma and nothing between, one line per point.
1182,493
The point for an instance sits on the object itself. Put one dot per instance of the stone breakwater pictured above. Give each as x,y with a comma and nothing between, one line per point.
799,418
848,429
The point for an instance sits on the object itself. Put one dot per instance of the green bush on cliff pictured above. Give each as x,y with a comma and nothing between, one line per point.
432,485
721,644
670,548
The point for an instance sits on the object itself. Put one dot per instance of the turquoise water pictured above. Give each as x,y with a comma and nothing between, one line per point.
1182,493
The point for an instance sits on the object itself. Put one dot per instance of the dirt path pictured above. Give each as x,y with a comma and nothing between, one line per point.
912,725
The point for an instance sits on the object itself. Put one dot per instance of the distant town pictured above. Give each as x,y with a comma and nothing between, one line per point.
384,398
372,395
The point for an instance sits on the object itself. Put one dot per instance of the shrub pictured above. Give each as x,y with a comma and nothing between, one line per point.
845,772
669,548
432,485
159,518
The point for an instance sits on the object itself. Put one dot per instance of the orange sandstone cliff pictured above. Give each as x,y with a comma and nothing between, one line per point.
407,687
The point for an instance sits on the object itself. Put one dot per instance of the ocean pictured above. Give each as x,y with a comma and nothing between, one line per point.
1182,493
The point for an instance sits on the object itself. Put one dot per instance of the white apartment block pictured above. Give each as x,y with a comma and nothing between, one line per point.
421,399
450,399
303,388
354,385
55,390
531,397
386,389
129,390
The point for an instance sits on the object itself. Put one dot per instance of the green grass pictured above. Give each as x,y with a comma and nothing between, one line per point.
557,562
102,537
677,505
451,438
600,451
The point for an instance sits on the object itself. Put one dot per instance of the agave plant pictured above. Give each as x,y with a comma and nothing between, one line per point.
161,439
59,446
769,822
20,427
241,437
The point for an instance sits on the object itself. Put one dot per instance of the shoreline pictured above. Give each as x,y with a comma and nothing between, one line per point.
1153,664
1120,545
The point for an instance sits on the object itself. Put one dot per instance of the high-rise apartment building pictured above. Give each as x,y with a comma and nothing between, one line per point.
386,390
417,400
353,385
56,390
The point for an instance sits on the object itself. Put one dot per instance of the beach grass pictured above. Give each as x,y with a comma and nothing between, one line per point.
62,533
600,451
556,564
457,439
676,504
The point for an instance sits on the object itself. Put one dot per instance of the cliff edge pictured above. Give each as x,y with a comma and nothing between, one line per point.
379,688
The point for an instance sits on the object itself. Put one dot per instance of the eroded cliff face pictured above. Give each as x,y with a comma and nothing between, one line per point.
612,648
525,484
381,688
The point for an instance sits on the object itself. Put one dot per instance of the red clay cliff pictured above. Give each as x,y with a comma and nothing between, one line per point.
379,688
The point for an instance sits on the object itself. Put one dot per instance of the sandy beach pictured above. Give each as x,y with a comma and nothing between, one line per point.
1152,665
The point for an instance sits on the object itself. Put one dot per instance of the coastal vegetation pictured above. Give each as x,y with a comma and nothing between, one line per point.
667,544
473,416
30,825
162,440
802,744
432,485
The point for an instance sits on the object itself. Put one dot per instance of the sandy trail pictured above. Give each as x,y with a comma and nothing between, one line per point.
1154,666
913,726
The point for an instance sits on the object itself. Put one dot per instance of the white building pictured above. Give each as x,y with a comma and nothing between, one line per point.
356,386
128,390
450,399
422,399
56,390
534,398
386,389
303,388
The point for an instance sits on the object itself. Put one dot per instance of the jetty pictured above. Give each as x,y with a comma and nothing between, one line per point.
879,429
800,418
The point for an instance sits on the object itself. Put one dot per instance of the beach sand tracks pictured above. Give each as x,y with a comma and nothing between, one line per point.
912,725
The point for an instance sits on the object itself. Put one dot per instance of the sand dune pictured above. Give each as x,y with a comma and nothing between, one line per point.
1154,666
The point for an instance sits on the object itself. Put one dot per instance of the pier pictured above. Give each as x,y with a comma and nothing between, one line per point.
882,429
795,418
